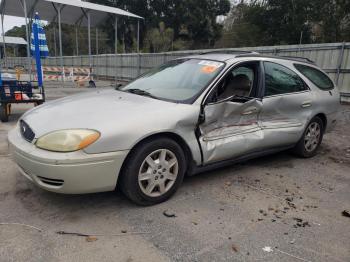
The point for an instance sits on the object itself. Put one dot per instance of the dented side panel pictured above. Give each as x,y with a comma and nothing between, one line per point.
230,129
283,118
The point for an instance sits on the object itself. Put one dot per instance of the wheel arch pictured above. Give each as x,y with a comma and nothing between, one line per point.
323,117
173,136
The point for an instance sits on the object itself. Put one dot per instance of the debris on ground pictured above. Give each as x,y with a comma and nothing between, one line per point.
346,213
301,223
290,203
228,183
267,249
169,213
72,233
111,235
289,199
91,239
263,212
234,248
291,255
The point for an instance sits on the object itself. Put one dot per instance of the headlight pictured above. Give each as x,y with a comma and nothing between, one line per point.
67,140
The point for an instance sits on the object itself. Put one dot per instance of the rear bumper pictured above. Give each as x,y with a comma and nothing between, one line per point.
68,173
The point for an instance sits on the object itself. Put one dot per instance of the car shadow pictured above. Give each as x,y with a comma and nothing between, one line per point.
34,198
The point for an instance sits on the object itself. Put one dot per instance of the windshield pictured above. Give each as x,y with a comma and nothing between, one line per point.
178,80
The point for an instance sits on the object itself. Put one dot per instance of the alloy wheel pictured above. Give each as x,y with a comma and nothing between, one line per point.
158,173
312,137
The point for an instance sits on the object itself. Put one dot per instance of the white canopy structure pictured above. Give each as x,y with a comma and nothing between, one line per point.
11,40
14,42
72,12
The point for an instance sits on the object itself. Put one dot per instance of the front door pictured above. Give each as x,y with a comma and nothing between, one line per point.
230,127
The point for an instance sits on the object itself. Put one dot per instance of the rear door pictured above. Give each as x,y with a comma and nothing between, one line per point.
286,106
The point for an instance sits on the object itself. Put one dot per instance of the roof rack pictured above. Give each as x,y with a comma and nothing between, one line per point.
232,52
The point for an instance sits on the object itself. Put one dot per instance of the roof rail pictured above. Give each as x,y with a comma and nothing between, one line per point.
232,52
293,58
302,59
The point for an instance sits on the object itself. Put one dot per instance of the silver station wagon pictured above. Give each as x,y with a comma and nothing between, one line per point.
184,117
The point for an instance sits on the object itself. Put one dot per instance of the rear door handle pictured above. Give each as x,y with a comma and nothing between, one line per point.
250,111
306,104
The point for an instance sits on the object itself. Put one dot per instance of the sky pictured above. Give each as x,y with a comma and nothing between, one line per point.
11,21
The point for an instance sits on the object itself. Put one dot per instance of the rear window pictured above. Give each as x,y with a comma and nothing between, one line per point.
318,78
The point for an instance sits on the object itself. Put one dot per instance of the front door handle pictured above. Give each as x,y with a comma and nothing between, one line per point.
306,104
250,111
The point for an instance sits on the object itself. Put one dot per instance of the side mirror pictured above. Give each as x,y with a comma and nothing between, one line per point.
118,86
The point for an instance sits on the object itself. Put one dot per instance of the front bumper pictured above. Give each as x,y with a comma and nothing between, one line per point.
67,173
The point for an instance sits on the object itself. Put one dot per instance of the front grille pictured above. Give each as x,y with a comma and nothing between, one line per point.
26,131
51,181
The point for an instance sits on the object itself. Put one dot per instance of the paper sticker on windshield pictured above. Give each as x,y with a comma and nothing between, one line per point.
209,66
208,69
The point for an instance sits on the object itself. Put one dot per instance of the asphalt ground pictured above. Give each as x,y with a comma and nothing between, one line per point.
274,208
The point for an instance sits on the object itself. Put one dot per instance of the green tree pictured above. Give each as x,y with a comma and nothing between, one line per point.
275,22
18,31
333,16
193,21
159,39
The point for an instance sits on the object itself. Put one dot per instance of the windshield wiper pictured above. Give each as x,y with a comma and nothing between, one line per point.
140,92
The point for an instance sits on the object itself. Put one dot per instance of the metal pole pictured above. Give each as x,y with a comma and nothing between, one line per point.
340,61
3,39
89,39
300,40
138,48
116,35
54,38
138,36
76,40
24,5
116,48
96,41
60,41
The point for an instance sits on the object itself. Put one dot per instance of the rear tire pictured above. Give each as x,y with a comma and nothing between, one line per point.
311,139
153,172
4,113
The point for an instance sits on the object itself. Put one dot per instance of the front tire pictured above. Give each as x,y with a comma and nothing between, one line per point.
311,139
4,112
153,172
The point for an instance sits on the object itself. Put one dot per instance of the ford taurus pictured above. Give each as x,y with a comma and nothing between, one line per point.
186,116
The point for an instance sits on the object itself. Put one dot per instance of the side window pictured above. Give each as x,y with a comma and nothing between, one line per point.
243,70
317,77
281,80
239,83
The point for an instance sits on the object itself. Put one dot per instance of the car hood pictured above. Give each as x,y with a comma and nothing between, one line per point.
92,110
110,112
